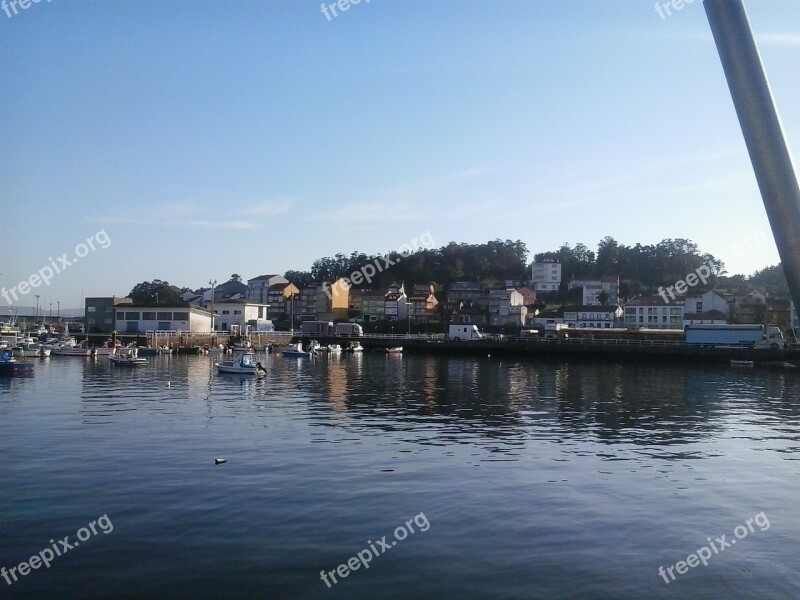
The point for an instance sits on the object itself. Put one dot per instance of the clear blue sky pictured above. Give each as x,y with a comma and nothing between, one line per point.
208,138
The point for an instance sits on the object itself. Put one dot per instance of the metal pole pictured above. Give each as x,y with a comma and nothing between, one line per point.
762,130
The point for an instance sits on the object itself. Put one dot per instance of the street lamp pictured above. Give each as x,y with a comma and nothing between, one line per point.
37,306
51,312
59,309
212,284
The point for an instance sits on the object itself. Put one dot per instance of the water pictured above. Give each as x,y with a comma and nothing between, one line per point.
556,480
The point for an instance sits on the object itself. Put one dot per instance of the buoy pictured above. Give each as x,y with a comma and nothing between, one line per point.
169,384
219,461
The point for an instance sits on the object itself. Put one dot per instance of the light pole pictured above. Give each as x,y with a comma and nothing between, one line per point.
212,284
59,309
37,307
51,312
408,315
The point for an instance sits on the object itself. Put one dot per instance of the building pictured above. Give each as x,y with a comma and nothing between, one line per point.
141,319
747,307
240,317
710,317
258,287
593,289
593,316
99,313
549,317
700,302
396,303
651,311
506,307
528,296
423,305
546,275
373,305
279,298
465,291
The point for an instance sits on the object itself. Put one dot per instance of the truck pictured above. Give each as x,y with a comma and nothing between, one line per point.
464,333
317,328
349,329
751,336
556,331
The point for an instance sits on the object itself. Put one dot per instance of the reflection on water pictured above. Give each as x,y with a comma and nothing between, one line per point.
541,480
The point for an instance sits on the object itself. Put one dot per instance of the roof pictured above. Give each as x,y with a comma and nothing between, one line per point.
650,300
264,277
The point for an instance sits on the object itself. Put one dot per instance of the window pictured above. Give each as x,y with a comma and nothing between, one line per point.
226,312
237,312
132,316
132,327
164,316
148,316
180,316
90,321
91,309
164,325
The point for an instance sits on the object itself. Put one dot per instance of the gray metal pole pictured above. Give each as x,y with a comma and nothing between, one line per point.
763,133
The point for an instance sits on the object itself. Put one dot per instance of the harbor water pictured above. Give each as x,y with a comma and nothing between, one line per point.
431,477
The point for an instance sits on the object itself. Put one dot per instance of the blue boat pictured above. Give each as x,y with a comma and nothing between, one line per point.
10,366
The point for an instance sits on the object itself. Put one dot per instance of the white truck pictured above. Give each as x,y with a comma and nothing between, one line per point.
349,329
753,336
464,333
317,327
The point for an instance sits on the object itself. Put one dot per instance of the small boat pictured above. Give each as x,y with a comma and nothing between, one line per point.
29,348
296,351
741,363
315,346
72,348
395,350
242,363
334,349
354,347
129,357
10,366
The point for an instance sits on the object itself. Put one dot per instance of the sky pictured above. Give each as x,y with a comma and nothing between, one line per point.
202,139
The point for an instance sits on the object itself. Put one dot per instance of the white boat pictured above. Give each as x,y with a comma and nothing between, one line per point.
128,357
741,363
242,363
315,346
296,351
71,348
395,350
31,349
354,347
334,349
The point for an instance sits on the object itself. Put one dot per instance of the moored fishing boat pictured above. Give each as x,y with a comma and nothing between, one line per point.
296,351
354,347
128,357
243,363
10,366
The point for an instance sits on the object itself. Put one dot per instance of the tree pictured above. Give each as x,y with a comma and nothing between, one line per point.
156,293
236,277
602,297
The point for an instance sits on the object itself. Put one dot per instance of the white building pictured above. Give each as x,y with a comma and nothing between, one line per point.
652,312
141,319
546,275
593,287
258,287
241,317
507,307
592,316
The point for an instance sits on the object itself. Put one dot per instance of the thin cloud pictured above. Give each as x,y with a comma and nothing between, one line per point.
270,208
362,212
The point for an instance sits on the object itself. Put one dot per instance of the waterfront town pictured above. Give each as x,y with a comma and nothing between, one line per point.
273,303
